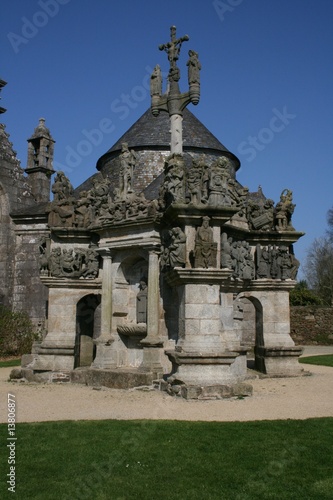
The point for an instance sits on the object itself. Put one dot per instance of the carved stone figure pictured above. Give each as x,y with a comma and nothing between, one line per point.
67,262
261,217
62,189
284,210
43,259
91,262
173,48
218,184
240,259
194,67
247,267
73,263
205,249
55,262
194,183
156,81
263,262
141,302
173,187
226,261
275,271
82,211
61,212
177,248
276,262
127,164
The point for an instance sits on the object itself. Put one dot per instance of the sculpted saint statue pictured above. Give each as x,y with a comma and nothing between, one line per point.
127,165
205,249
141,302
194,67
156,81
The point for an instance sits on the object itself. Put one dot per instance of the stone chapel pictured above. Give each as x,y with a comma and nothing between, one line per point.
161,267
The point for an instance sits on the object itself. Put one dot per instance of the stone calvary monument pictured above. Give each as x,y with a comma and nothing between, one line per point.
162,266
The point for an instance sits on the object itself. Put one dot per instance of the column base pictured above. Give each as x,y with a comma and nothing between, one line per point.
278,361
209,375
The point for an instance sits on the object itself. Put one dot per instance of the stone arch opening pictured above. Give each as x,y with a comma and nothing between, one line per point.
248,313
131,271
88,323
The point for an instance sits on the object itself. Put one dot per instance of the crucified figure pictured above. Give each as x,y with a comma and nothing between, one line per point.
173,48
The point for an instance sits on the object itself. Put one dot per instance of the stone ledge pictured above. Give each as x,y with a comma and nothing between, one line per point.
71,282
182,276
199,358
121,378
238,390
272,352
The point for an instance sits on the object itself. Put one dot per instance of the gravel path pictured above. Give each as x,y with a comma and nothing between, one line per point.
284,398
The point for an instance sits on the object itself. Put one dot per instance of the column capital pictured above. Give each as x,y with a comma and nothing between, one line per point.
105,253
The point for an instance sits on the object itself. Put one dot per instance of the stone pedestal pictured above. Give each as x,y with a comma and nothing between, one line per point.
208,352
278,361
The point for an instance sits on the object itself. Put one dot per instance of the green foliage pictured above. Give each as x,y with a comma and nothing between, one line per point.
318,268
302,296
16,333
323,360
170,460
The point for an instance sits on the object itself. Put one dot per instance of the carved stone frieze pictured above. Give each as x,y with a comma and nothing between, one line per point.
72,263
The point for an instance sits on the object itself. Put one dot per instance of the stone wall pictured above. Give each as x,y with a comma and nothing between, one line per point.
311,325
15,194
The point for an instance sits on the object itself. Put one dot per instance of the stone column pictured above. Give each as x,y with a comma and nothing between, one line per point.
106,302
153,299
176,123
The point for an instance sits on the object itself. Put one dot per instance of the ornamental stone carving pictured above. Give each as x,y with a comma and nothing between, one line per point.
275,262
73,263
205,249
61,212
173,187
173,249
284,211
141,302
128,160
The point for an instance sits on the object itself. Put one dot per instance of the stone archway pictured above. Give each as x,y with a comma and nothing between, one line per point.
256,323
87,326
275,351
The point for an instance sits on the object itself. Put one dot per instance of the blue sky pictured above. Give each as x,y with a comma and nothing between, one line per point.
266,84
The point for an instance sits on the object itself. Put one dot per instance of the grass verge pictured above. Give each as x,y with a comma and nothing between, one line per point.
324,360
168,460
10,362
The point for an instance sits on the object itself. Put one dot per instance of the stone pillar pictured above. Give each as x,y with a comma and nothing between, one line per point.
152,344
153,301
176,122
106,303
217,240
106,356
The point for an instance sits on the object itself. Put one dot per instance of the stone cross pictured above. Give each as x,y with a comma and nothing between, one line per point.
173,101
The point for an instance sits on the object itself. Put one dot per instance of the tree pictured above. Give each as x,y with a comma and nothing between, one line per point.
330,224
301,295
16,333
318,268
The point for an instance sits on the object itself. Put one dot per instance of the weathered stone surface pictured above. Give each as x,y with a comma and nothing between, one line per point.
115,379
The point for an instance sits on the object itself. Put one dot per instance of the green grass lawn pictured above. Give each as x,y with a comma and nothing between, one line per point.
168,460
325,360
10,362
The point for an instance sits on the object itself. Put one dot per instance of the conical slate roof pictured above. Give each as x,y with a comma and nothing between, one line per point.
154,133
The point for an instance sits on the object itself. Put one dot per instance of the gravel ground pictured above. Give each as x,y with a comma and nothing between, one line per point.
302,397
